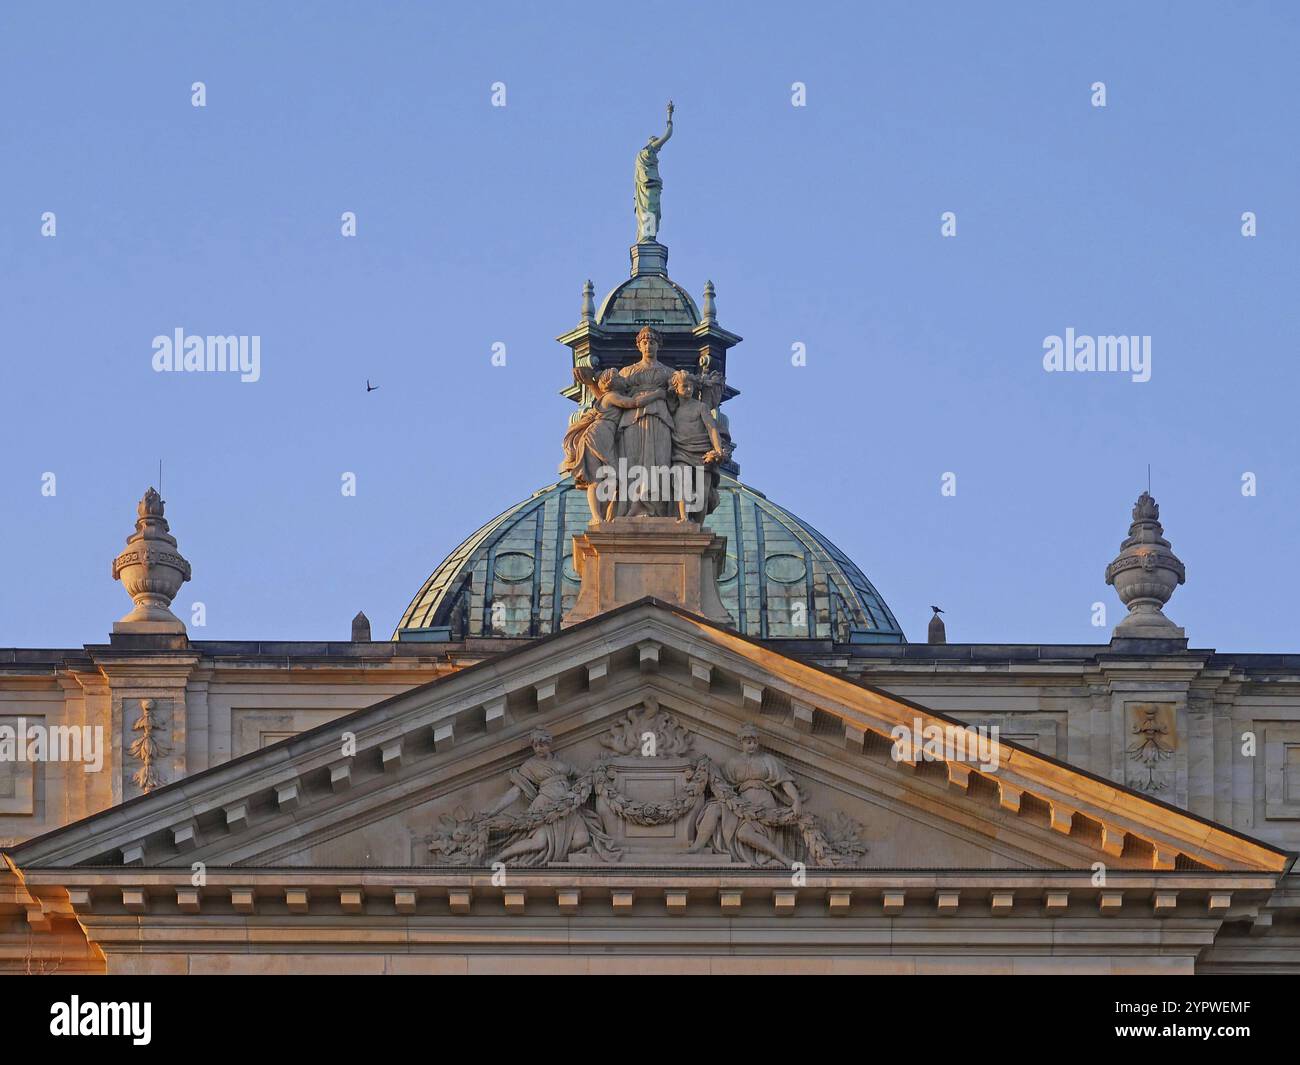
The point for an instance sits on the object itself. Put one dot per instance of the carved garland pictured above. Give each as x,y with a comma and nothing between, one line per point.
652,813
466,841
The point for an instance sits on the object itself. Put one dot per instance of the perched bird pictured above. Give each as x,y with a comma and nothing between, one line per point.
937,632
369,386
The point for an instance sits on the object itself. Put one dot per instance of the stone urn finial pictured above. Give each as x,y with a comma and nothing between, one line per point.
1145,574
151,570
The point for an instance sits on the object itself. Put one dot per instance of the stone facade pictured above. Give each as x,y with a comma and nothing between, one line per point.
374,807
648,739
1078,703
321,857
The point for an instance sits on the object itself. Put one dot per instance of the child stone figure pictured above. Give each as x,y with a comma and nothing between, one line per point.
698,448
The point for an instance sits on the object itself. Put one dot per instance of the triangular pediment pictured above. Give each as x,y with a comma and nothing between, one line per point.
445,775
650,805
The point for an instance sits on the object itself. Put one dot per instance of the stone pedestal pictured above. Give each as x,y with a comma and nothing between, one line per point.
649,257
627,559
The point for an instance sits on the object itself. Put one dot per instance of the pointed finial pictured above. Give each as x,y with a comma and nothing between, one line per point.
151,505
360,628
1145,573
1146,508
937,632
710,304
588,302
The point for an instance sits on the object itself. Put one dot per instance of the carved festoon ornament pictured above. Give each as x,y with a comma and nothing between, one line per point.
1145,574
148,747
152,570
649,802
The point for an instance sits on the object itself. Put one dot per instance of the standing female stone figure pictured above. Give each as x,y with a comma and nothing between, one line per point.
649,186
645,436
590,445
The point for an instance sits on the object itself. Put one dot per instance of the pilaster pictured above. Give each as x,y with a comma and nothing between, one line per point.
134,676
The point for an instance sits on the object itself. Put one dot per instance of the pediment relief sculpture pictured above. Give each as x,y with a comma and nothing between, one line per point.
648,730
650,801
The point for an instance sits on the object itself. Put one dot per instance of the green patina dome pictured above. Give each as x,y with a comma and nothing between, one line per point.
515,576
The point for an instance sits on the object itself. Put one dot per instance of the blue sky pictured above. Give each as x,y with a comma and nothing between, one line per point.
818,224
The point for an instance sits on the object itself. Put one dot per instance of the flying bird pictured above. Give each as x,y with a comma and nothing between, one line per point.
369,386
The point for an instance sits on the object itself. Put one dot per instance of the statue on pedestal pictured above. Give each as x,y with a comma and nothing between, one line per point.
649,444
649,186
646,433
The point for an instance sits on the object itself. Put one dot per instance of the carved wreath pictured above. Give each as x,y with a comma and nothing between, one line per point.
652,813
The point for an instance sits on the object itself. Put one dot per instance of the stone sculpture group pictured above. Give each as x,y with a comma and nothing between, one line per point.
648,441
649,444
744,810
